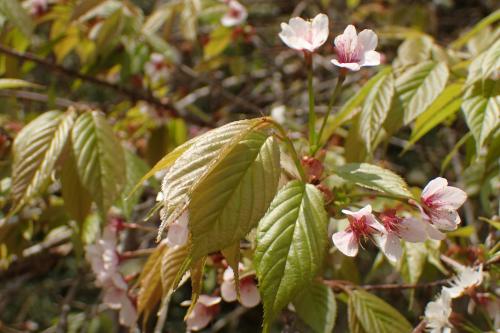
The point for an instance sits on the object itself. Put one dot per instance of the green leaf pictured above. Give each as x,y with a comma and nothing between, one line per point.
445,105
376,108
375,178
190,170
17,15
136,167
291,241
414,50
375,315
173,267
83,7
196,272
219,40
150,282
419,86
481,107
99,158
487,21
236,194
483,66
36,150
232,255
77,200
317,307
353,321
17,83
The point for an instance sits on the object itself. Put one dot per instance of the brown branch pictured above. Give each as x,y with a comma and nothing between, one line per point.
43,98
342,285
135,95
62,325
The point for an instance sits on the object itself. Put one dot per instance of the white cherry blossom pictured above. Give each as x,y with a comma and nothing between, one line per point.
356,50
467,277
437,314
236,14
303,35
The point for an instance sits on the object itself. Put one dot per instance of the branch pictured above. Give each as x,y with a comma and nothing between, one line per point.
135,95
342,285
43,98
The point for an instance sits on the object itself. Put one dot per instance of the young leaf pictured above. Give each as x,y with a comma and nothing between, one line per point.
375,315
481,107
419,86
150,281
77,200
17,15
485,22
376,107
16,83
173,267
136,167
374,178
317,307
197,162
36,151
353,321
99,158
484,64
291,241
230,201
196,272
220,38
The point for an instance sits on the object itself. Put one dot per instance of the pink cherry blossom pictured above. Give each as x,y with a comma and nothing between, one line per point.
362,224
356,50
104,261
249,293
440,203
304,35
178,231
236,14
38,7
156,68
204,311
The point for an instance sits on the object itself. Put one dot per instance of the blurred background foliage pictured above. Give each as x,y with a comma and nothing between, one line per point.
165,71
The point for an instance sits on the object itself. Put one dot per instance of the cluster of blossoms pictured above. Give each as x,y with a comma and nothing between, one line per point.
104,260
157,68
437,312
236,13
438,204
353,50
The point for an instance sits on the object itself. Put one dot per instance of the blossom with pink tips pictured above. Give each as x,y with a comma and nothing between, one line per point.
304,35
104,260
178,231
236,14
356,50
204,311
249,293
362,224
440,203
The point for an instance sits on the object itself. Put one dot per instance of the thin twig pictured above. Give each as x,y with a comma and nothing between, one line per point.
43,98
341,285
62,325
420,328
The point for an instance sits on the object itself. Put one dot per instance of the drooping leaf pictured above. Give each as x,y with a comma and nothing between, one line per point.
83,7
232,255
36,150
99,158
375,315
481,107
150,281
16,83
484,64
291,241
445,105
77,200
414,50
136,167
317,307
375,178
197,162
353,321
376,107
419,86
230,201
196,273
17,15
173,267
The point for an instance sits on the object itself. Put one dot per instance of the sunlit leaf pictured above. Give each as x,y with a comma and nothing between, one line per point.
483,66
291,241
16,83
136,168
150,283
219,40
487,21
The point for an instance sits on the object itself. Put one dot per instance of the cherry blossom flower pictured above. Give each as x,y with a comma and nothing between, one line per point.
236,14
38,7
178,231
440,203
356,50
396,228
249,293
104,261
361,224
204,311
467,277
437,314
304,35
156,68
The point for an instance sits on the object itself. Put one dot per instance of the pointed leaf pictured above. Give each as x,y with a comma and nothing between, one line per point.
291,241
99,159
196,273
376,108
375,315
136,167
375,178
17,83
481,107
36,151
235,195
419,86
150,282
317,307
484,64
173,264
485,22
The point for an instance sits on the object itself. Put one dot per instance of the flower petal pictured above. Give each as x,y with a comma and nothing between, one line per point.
434,186
249,293
209,300
128,313
346,242
177,234
370,58
445,219
412,230
199,318
228,291
390,246
450,198
289,37
368,40
300,27
433,233
319,30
